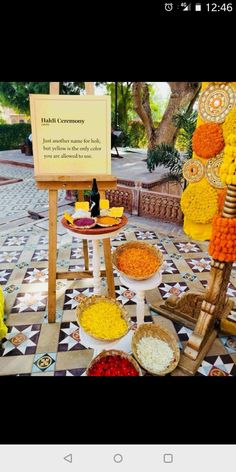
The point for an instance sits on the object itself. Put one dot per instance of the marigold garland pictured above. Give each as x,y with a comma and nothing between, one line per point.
199,202
221,199
208,140
228,166
229,126
222,246
3,328
197,231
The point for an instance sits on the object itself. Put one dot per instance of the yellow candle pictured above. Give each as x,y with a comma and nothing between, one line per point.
116,212
104,204
82,206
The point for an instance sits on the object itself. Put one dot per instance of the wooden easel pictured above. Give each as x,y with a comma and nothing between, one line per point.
205,311
79,183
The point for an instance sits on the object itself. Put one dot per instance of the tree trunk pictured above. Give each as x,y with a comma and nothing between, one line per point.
182,95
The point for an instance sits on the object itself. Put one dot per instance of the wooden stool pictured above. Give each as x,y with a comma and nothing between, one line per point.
95,238
140,287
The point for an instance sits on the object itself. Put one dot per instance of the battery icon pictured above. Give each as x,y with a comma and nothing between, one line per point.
198,7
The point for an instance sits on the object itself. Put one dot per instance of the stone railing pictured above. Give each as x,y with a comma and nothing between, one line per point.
121,196
143,202
161,206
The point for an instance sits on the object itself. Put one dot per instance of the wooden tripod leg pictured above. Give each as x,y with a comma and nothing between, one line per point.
52,257
85,242
109,270
86,255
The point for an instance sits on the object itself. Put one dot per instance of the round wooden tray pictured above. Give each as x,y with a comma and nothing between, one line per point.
98,230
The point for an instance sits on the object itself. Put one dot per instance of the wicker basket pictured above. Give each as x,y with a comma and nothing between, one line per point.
156,331
140,245
114,352
98,298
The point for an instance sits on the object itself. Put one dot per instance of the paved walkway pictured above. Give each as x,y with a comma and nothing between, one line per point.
19,198
132,166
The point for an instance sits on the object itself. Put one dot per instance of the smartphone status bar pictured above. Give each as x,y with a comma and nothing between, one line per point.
198,7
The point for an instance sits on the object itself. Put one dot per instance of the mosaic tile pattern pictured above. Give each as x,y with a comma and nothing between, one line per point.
39,348
69,338
20,340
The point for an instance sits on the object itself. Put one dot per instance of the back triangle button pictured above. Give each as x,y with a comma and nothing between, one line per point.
68,458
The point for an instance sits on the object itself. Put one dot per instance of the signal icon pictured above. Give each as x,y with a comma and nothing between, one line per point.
186,7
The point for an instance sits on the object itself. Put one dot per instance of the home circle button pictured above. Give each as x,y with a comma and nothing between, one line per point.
118,458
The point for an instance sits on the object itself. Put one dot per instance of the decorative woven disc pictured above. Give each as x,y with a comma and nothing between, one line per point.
193,170
212,171
216,102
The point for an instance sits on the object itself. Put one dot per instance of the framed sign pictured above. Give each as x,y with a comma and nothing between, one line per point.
71,134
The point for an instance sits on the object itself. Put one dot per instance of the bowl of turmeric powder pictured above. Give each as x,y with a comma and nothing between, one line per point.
106,221
137,260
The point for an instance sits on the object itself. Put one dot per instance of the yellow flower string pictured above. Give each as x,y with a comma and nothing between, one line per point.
228,166
229,126
3,328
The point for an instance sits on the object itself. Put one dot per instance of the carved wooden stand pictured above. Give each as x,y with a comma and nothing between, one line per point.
204,310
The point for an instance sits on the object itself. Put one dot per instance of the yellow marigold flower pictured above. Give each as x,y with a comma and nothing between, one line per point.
103,320
199,202
204,85
220,83
229,126
3,328
228,167
232,139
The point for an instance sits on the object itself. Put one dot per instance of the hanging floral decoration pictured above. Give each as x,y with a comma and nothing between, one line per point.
208,140
199,202
229,126
3,328
221,199
222,246
228,166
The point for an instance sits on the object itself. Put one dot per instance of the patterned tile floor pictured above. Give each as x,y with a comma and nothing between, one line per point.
21,196
34,347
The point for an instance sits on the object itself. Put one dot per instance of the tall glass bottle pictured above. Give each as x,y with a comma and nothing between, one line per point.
95,200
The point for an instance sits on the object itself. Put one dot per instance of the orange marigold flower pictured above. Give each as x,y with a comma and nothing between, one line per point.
221,199
208,140
137,262
223,241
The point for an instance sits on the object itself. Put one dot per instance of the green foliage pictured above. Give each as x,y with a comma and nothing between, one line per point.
167,156
124,104
170,157
11,136
158,102
16,94
2,121
71,88
137,135
186,122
